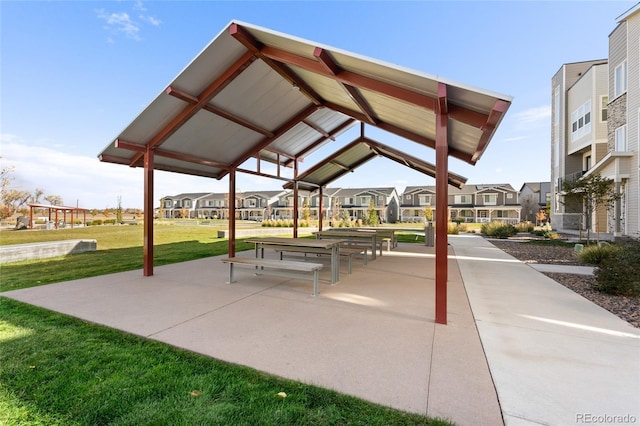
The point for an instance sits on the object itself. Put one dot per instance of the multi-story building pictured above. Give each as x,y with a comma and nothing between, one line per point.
471,203
594,130
534,199
356,202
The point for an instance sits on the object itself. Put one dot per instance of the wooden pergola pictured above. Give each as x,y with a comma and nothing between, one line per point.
254,95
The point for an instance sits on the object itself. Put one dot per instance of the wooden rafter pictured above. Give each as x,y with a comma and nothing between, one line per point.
266,141
179,94
214,88
330,65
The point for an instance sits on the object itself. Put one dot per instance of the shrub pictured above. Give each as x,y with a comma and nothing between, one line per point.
525,227
538,232
453,229
498,229
97,222
109,222
596,255
620,272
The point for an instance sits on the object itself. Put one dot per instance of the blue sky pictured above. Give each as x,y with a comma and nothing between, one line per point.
74,74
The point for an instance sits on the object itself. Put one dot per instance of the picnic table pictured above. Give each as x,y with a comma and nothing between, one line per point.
303,245
350,237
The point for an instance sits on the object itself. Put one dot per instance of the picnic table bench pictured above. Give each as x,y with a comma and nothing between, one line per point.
283,268
346,252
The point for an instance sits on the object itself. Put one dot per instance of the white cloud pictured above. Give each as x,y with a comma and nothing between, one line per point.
120,23
534,115
138,5
123,23
151,20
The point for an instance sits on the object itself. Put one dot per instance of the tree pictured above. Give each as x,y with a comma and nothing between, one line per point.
35,198
54,200
10,199
119,210
161,209
372,218
428,213
592,192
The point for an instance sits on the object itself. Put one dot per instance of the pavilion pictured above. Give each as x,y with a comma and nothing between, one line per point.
254,95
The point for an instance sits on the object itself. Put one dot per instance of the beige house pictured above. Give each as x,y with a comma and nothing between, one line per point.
595,113
472,203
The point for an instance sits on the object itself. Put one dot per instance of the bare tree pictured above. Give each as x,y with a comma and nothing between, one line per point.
54,200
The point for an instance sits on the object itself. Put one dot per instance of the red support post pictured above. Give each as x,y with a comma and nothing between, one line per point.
295,198
232,213
320,212
442,217
148,213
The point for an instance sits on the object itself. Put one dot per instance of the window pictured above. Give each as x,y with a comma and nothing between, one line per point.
167,203
462,199
252,202
425,200
509,196
187,204
587,162
490,199
604,108
556,126
621,138
620,85
581,121
364,201
407,197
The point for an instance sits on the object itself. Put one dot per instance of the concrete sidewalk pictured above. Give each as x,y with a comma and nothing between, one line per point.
555,357
515,336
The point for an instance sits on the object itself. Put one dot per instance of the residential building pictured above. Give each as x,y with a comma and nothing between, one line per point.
534,199
479,203
357,202
595,112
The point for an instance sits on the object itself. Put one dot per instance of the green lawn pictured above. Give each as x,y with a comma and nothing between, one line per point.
58,370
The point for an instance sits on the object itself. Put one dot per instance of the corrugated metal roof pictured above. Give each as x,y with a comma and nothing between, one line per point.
253,92
356,154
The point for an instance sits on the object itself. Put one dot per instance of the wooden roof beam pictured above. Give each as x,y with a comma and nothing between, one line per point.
489,127
254,46
179,94
266,141
330,65
322,139
209,93
430,143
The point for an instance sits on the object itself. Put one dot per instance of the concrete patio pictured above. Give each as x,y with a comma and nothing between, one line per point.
519,348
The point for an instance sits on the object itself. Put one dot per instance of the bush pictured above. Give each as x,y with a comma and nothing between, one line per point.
525,227
97,222
498,229
620,272
596,255
109,222
453,229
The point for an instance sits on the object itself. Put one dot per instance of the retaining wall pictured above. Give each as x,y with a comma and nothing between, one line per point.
18,252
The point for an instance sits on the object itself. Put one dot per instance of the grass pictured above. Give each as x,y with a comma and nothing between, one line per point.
58,370
119,249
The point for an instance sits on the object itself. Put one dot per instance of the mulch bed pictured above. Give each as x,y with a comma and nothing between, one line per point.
626,308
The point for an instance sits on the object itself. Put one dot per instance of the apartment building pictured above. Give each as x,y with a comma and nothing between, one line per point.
595,112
